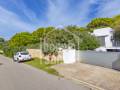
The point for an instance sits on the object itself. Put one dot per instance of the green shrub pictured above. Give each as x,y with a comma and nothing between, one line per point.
10,51
1,52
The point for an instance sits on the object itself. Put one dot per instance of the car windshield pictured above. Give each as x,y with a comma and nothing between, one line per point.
24,53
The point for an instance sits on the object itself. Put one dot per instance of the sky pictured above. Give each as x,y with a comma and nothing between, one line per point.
28,15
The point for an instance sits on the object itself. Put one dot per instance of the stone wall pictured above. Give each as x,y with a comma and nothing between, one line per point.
37,53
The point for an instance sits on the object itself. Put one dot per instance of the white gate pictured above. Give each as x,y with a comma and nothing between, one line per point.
69,56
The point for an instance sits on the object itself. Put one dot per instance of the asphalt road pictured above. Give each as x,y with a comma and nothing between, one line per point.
19,76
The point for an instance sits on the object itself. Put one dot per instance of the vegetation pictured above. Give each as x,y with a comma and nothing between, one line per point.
21,39
44,65
116,27
116,24
11,50
100,23
1,42
50,39
68,37
40,33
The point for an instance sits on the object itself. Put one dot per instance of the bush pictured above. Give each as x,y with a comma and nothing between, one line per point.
1,52
10,51
34,46
89,42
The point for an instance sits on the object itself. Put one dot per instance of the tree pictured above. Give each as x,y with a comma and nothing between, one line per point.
2,40
41,33
116,27
100,22
17,43
76,28
21,39
89,42
55,40
72,37
116,23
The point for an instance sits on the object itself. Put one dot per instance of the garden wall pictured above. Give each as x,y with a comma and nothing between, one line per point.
105,59
37,53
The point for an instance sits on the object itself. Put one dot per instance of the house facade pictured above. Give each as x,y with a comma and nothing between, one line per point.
106,38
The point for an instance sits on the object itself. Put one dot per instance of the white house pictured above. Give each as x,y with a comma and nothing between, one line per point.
105,36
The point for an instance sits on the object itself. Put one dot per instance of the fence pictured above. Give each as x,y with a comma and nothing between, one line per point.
104,59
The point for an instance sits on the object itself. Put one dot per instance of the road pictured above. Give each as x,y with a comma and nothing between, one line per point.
19,76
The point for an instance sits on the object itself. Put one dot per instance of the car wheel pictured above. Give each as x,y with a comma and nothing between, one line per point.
17,60
14,59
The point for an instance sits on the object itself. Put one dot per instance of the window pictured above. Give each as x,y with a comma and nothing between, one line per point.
101,40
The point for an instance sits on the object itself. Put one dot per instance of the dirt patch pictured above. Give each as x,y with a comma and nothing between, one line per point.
107,79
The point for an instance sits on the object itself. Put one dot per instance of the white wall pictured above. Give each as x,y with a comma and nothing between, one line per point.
69,56
108,42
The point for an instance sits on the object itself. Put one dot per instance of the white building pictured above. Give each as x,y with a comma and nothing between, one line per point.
105,36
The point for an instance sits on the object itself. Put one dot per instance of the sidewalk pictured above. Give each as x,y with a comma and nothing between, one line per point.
94,76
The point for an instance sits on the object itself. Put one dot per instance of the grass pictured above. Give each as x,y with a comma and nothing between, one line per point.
44,65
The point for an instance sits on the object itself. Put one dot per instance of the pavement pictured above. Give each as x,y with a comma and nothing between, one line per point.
96,77
19,76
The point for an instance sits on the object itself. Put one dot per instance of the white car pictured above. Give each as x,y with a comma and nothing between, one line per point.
21,56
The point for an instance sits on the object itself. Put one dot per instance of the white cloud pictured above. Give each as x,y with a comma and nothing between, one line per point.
31,15
57,12
109,8
60,13
10,23
93,1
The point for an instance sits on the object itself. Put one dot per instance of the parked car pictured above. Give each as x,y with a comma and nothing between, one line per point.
21,56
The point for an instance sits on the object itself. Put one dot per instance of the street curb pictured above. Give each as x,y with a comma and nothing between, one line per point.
91,86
